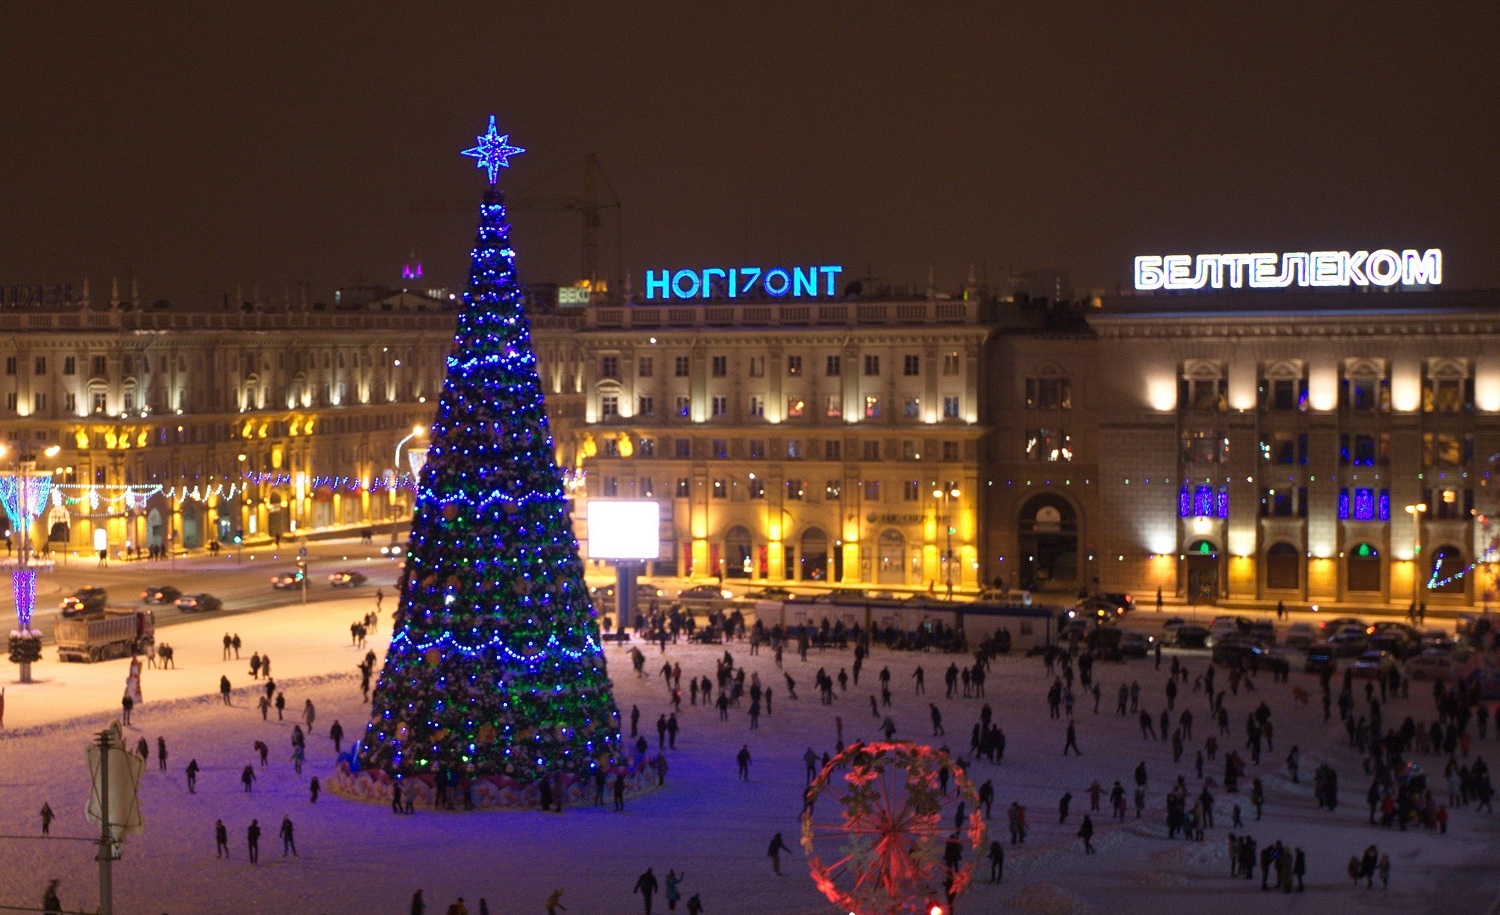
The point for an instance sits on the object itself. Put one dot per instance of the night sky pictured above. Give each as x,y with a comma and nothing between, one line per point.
204,150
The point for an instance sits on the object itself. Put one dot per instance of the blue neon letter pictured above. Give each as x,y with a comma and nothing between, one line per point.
805,283
708,274
830,271
655,285
782,286
688,291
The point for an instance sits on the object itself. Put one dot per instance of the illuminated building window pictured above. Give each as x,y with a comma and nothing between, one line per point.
1364,450
911,408
648,487
1049,393
910,450
720,489
833,489
835,405
757,488
648,447
794,365
645,406
757,405
684,487
720,405
683,407
1204,446
1048,445
720,448
950,363
872,407
611,448
911,490
757,449
795,407
950,407
795,490
794,448
1446,450
609,406
1284,448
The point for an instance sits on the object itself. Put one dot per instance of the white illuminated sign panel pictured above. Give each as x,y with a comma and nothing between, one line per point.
740,282
1383,267
624,529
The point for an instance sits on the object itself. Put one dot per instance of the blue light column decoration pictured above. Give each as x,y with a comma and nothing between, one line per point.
495,678
24,494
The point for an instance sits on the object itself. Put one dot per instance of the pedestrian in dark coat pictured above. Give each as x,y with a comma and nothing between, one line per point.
248,778
1086,833
288,837
997,862
418,907
221,840
336,733
774,853
252,839
646,885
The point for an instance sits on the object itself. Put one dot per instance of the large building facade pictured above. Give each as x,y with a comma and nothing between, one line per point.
1246,447
1309,448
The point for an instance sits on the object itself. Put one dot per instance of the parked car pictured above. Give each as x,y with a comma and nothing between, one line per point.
1190,637
1372,664
286,581
1263,631
1326,628
1120,599
194,603
1005,596
160,594
348,578
84,602
772,592
1236,651
1439,641
843,596
1136,644
1431,665
1098,608
1298,635
1170,626
705,592
1320,658
1350,642
1395,643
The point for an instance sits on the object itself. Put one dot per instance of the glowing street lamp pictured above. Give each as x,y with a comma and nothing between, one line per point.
946,496
1416,510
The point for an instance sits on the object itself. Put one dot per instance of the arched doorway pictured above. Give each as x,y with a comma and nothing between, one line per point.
737,561
1363,568
1447,563
1203,573
156,534
814,555
1283,567
1047,533
891,561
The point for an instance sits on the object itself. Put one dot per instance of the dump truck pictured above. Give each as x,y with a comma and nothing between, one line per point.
120,632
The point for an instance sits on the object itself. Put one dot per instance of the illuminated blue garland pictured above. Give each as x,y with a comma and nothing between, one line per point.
532,662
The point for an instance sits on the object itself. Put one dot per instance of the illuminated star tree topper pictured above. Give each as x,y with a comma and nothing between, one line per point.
493,152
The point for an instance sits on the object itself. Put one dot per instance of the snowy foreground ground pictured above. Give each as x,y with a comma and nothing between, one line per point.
357,858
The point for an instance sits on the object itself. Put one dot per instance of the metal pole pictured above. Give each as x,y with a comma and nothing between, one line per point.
23,539
106,840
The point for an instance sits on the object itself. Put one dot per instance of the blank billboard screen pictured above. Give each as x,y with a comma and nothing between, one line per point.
623,529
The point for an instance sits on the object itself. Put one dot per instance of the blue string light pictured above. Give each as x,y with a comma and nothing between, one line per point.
493,152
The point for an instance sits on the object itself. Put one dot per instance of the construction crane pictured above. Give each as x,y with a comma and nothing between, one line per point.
586,204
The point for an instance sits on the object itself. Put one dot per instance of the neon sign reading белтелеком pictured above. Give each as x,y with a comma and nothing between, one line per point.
741,282
1383,267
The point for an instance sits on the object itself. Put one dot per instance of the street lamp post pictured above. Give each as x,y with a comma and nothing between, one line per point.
946,495
395,476
1416,510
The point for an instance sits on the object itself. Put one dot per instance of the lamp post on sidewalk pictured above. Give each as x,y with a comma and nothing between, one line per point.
946,494
1416,510
393,490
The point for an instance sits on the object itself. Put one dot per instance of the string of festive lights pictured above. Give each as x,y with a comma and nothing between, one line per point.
23,586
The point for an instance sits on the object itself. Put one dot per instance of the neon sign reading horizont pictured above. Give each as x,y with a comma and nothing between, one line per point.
1383,267
739,282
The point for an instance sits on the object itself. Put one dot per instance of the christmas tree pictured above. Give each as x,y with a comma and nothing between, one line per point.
495,669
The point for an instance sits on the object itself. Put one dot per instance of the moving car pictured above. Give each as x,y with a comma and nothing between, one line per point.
348,578
1120,599
160,594
1099,608
705,592
1236,651
287,581
1327,628
84,602
193,603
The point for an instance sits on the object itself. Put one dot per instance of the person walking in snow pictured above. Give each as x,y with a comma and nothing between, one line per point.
288,839
308,714
221,840
192,776
774,851
673,893
252,839
336,734
646,885
47,817
247,777
743,758
224,689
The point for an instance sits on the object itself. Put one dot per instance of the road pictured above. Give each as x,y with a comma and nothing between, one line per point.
241,580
